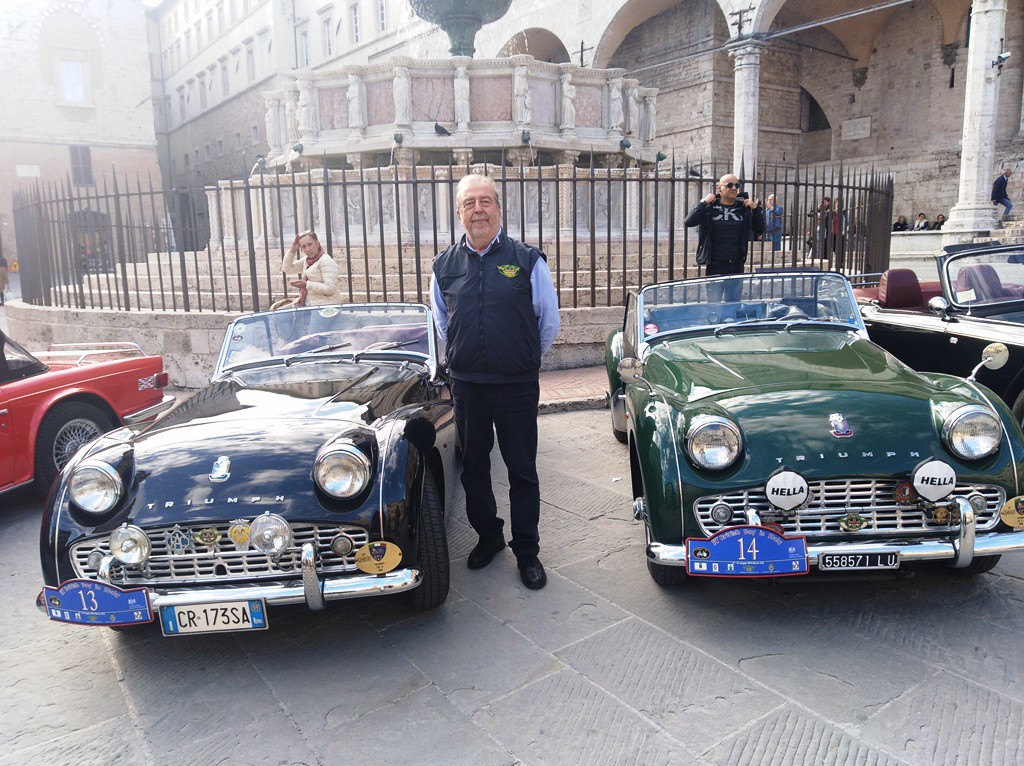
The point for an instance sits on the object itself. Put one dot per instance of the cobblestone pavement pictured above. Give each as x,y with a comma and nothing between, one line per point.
600,667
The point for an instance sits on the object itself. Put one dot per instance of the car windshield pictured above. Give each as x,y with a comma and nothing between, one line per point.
986,278
290,335
15,362
719,303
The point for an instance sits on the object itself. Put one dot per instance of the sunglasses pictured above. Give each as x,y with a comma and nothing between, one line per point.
731,185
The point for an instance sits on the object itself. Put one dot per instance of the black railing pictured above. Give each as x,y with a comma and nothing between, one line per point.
127,245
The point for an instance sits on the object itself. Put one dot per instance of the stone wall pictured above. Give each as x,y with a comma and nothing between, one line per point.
190,343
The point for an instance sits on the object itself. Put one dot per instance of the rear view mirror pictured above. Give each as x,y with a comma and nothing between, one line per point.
938,304
630,370
995,355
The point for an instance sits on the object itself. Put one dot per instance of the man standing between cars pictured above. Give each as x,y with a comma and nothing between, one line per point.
999,193
495,306
727,224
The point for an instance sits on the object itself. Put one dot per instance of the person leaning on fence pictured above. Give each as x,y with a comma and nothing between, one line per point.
318,273
728,223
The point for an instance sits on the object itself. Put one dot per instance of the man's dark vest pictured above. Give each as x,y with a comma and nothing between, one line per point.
493,335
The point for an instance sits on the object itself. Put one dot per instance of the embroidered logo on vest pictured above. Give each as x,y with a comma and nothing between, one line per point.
509,270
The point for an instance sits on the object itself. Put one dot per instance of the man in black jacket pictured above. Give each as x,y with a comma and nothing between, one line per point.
495,307
728,223
999,193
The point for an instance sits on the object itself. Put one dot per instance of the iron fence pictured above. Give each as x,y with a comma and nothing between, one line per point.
128,245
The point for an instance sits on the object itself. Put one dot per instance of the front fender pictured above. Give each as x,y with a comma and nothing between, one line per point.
657,453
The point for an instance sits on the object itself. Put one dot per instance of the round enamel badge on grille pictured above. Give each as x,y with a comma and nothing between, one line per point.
378,557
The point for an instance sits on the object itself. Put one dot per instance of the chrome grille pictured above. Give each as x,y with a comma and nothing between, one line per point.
830,500
222,563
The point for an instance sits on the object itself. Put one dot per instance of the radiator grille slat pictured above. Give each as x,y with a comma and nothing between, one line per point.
222,563
831,500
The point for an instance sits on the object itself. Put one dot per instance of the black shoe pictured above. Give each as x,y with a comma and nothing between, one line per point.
484,552
532,572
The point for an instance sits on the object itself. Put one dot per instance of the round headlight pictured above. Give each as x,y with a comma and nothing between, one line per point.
270,534
713,442
972,432
342,471
130,545
95,487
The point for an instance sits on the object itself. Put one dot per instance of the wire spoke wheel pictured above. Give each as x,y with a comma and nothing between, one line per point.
73,435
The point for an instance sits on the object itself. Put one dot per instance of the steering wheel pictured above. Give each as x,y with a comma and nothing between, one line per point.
787,312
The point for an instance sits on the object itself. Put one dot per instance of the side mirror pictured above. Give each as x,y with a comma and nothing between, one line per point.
995,355
938,304
630,370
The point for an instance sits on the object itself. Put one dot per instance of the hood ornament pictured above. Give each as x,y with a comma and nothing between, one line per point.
840,427
221,469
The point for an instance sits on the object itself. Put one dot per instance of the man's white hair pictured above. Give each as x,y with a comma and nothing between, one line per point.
475,178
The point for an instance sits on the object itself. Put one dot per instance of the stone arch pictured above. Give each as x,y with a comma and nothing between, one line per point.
632,14
542,44
64,32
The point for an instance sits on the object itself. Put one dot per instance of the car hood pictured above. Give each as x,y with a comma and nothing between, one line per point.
270,428
810,397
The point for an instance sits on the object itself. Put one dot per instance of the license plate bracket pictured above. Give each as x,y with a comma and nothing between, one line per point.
858,562
217,617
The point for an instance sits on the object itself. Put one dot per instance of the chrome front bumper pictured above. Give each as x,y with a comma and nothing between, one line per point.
960,552
312,591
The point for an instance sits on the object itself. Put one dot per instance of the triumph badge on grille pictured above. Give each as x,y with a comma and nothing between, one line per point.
221,469
840,427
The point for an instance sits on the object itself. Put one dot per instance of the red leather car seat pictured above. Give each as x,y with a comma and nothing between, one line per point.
899,289
983,279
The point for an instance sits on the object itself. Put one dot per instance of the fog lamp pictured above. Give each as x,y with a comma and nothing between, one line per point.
342,545
721,513
978,502
130,545
270,534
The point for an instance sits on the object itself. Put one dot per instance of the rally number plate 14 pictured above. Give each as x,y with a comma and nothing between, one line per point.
746,551
220,617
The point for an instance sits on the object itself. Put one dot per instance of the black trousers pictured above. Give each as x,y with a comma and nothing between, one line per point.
731,292
510,409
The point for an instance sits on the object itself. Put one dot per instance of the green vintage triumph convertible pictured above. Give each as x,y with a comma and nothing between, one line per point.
768,437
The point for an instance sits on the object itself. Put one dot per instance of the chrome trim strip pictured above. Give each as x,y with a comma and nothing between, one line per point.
150,412
310,582
989,544
351,586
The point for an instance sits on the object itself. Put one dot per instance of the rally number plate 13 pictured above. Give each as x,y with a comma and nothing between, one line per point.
220,617
746,552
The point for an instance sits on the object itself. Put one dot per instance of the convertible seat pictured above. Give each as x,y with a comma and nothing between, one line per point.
983,279
900,289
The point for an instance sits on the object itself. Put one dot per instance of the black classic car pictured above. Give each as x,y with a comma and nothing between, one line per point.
317,465
769,437
942,325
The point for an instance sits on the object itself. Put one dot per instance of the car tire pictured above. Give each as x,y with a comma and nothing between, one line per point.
1018,408
665,576
980,565
431,550
65,428
621,436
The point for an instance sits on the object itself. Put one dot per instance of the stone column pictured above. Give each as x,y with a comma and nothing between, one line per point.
974,210
747,96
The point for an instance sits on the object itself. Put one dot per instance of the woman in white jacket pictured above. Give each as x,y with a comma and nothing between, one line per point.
318,273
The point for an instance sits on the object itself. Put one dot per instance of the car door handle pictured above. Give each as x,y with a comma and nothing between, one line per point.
3,412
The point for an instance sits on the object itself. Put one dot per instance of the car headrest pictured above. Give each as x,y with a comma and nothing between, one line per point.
983,279
899,289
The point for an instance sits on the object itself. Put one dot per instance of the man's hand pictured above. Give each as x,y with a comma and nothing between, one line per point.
751,203
709,199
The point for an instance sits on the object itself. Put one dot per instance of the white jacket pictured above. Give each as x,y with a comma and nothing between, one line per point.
322,286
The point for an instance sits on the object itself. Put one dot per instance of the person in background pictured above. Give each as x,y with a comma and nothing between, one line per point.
939,220
921,224
317,272
901,224
999,194
773,218
3,278
495,307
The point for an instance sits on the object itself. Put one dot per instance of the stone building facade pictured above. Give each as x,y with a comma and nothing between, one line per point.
793,82
76,94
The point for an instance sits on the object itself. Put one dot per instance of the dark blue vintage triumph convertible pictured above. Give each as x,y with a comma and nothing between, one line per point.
317,465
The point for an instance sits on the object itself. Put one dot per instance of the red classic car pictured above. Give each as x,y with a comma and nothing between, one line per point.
53,403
